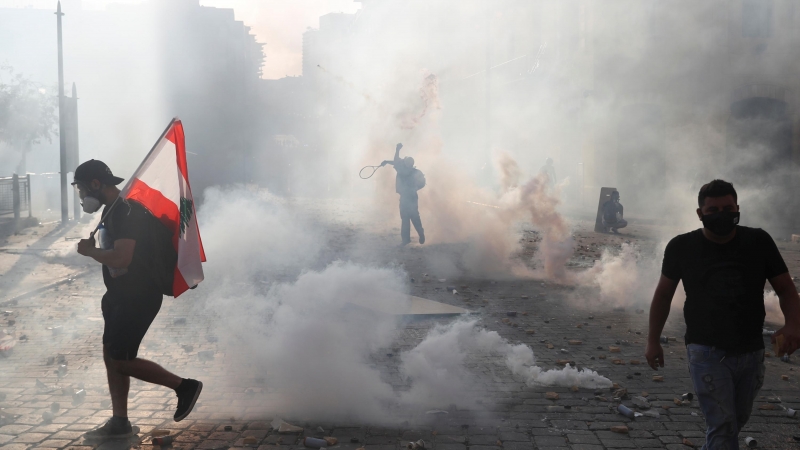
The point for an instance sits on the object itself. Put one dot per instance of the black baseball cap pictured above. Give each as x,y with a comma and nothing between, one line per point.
94,169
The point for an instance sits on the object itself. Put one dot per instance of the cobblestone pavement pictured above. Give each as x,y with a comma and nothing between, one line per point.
52,385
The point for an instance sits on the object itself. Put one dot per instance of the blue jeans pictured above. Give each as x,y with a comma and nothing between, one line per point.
409,214
726,386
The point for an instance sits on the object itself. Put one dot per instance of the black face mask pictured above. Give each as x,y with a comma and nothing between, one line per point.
721,223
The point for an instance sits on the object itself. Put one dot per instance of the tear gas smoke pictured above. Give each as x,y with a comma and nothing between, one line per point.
455,208
315,347
626,278
772,306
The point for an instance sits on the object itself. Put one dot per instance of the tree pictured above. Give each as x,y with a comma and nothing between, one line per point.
27,113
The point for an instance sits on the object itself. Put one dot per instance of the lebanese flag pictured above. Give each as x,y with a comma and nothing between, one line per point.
161,184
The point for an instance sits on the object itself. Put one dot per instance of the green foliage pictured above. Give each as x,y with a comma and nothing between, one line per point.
28,112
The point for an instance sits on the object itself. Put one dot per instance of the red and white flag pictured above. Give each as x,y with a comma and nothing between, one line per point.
161,184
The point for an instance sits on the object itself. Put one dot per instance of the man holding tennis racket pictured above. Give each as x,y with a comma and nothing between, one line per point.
408,181
134,250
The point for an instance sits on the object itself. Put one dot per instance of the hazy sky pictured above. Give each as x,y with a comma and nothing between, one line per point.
278,23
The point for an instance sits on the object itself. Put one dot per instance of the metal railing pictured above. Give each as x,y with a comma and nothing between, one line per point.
15,195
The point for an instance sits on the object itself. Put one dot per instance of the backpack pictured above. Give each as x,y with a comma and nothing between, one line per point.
164,258
419,179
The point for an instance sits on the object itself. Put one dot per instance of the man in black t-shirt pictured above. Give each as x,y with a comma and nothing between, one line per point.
724,267
407,183
136,251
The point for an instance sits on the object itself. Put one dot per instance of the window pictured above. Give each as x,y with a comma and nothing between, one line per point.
757,18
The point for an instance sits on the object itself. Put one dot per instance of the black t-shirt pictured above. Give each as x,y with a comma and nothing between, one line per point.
724,286
151,256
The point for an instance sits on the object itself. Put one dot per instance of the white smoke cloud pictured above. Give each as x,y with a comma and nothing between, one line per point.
314,346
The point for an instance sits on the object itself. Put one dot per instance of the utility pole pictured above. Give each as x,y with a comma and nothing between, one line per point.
61,126
488,104
75,152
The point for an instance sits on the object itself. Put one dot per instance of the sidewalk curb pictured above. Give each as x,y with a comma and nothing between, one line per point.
47,287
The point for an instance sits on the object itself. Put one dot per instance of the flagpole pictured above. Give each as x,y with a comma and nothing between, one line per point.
166,130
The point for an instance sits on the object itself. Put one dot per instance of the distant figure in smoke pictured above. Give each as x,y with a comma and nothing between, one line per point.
612,214
549,170
408,181
132,250
724,267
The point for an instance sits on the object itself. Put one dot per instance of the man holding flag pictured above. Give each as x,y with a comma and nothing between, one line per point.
149,246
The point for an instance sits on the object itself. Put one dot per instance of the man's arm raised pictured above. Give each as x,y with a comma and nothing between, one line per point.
397,153
659,311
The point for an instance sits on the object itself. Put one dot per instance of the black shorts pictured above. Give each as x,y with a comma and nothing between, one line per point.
127,319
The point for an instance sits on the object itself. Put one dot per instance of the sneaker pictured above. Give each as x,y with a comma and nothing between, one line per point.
112,429
187,397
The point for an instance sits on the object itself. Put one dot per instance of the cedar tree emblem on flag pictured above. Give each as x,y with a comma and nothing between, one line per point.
161,184
187,212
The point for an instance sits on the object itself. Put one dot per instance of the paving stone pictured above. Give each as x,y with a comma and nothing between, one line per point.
550,441
586,423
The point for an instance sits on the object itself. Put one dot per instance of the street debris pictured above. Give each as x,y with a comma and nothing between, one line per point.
158,433
652,414
625,411
418,445
575,342
250,440
688,443
785,377
331,441
530,331
621,429
163,441
551,395
613,349
511,313
687,396
640,402
751,442
78,397
658,378
311,442
41,386
285,428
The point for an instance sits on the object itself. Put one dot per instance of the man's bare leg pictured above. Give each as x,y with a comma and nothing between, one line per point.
119,374
118,386
148,371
